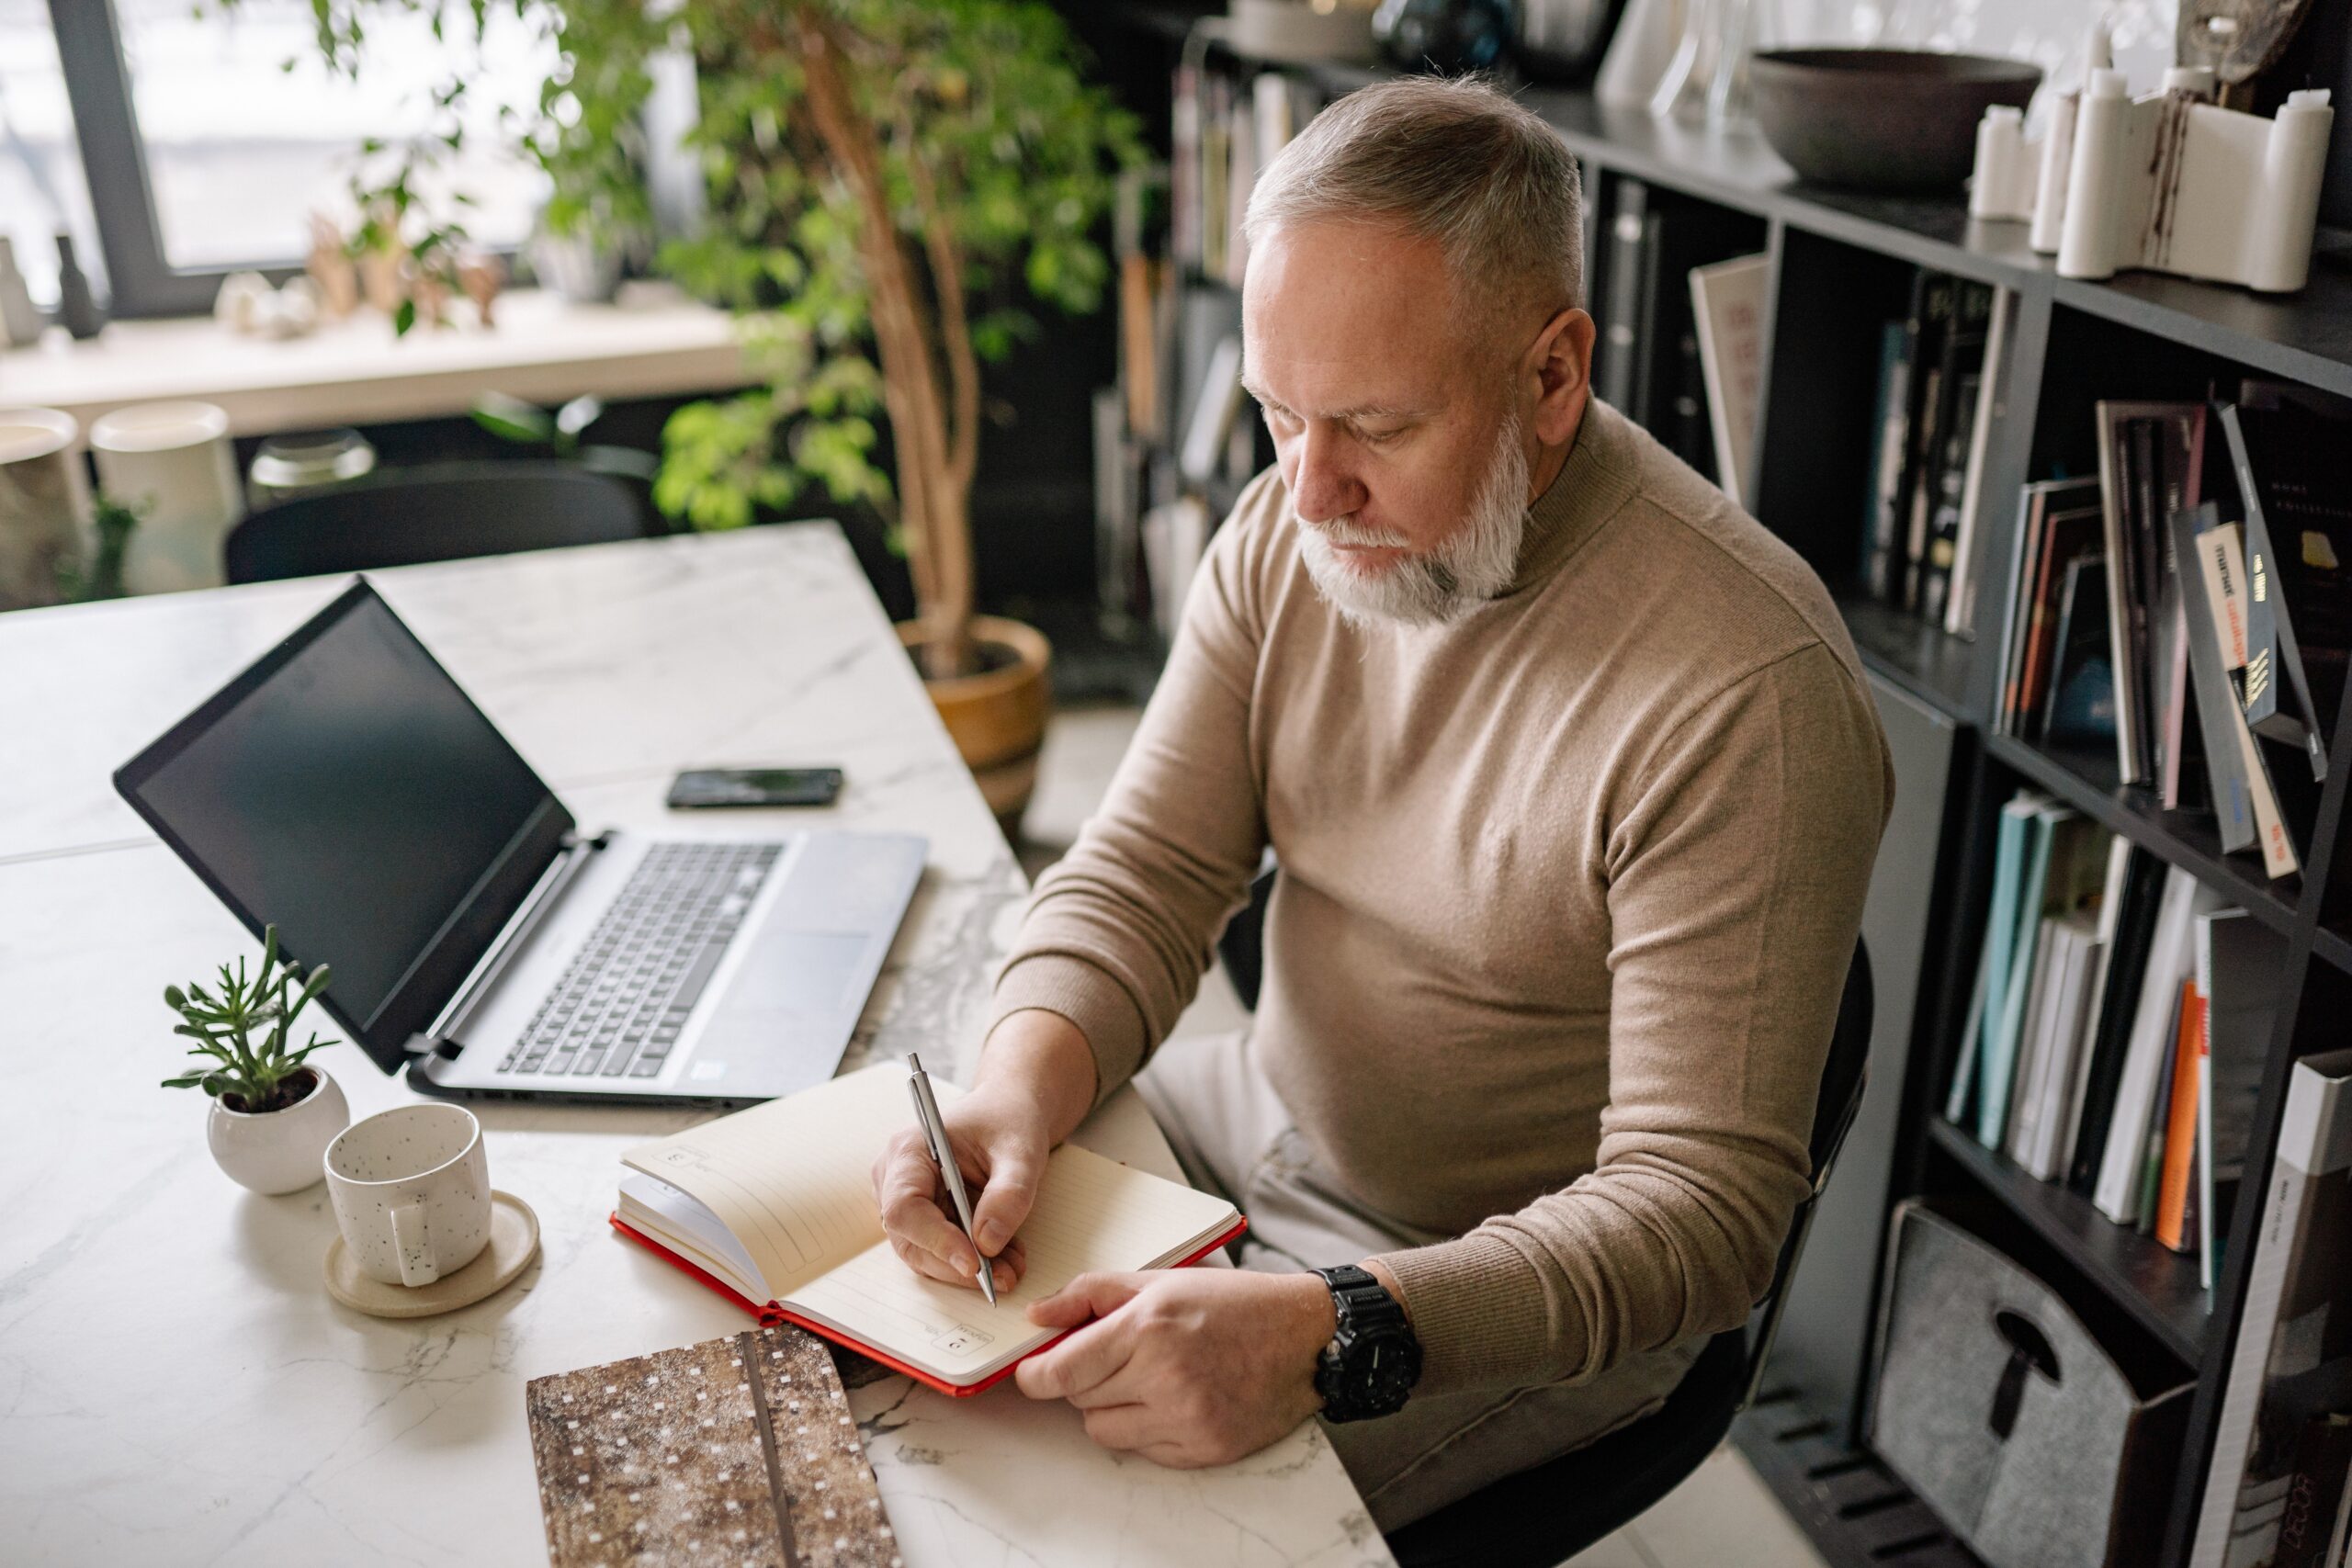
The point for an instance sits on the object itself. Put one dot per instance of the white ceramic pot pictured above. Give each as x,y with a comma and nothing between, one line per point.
171,464
279,1151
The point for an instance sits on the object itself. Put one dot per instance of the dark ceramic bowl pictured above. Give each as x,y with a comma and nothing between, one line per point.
1892,120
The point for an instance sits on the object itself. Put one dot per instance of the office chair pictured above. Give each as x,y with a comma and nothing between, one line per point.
439,512
1543,1515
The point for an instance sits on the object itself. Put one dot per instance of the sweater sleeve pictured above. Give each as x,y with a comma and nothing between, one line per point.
1737,856
1122,927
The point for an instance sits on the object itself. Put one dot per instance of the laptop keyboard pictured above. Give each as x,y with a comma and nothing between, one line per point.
626,995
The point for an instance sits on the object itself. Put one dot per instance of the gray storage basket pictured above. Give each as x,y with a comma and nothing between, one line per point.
2008,1418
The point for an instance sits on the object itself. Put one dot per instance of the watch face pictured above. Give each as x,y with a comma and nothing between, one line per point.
1373,1376
1374,1359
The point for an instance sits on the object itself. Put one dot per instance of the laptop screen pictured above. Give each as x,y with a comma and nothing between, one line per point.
347,789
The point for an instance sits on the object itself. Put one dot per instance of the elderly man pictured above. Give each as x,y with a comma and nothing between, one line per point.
1574,786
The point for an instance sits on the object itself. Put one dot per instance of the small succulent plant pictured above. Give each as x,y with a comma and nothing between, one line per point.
241,1028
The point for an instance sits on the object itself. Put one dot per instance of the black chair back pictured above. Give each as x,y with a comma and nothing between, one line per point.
1546,1515
439,512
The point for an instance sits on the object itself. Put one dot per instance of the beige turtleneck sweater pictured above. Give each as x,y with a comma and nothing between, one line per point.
1568,890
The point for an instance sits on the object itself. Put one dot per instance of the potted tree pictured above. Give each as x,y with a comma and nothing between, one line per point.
273,1115
888,183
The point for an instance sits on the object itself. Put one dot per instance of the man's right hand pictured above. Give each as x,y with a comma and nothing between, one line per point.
1000,1145
1037,1082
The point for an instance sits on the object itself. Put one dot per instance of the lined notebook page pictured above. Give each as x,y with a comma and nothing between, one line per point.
793,1179
1092,1215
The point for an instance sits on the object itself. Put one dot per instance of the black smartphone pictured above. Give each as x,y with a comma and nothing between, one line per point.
755,787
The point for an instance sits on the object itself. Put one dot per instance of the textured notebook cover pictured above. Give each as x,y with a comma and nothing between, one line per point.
741,1450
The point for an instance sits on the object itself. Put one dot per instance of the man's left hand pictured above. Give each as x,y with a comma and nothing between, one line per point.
1186,1367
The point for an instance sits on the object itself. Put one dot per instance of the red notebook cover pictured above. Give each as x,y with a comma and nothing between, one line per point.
773,1314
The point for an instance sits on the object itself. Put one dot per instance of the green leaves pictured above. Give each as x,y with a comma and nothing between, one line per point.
241,1029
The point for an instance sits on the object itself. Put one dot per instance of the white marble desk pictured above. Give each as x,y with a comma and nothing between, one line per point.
175,1384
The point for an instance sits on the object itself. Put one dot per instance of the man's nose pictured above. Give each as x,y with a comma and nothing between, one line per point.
1321,486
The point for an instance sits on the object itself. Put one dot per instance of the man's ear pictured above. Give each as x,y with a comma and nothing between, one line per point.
1562,363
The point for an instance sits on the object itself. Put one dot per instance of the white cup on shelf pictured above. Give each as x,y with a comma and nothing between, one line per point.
172,464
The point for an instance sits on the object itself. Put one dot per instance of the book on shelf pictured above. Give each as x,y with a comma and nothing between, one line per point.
1632,244
2241,965
1216,188
2106,1035
2041,959
1223,131
2152,1148
1242,163
2046,1060
1175,537
1960,611
1595,260
2223,566
2294,480
1937,440
2147,1049
2175,1225
2078,709
1906,396
2060,861
2042,948
1889,421
2148,454
2118,1027
2225,745
1184,241
1944,511
2009,837
774,1208
2123,861
1649,364
2161,672
2292,1357
1217,407
1144,283
1728,303
2059,523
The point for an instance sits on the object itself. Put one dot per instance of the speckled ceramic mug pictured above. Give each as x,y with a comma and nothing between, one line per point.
411,1192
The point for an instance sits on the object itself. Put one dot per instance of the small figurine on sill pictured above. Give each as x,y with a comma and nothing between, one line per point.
248,304
331,269
481,276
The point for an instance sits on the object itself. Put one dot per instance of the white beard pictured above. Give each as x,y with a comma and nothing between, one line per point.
1474,564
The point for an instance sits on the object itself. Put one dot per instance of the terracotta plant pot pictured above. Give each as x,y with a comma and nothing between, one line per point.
279,1151
997,717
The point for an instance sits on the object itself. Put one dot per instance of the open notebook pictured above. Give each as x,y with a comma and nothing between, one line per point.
774,1205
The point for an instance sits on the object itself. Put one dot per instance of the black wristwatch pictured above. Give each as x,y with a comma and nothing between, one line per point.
1372,1361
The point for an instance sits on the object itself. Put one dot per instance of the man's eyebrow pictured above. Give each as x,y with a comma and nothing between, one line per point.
1360,412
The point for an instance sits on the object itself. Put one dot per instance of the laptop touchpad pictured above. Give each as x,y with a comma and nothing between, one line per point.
799,972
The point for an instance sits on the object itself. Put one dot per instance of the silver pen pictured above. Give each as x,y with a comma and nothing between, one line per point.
934,1137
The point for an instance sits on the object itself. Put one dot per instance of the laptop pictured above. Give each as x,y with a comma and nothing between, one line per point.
345,789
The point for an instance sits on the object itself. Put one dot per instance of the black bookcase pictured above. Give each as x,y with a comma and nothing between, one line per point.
1840,265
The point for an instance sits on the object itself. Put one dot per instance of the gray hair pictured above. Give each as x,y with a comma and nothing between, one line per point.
1455,162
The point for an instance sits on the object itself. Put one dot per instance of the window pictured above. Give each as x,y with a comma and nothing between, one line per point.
211,138
42,194
241,150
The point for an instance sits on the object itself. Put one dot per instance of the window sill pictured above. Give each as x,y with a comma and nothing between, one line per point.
652,343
